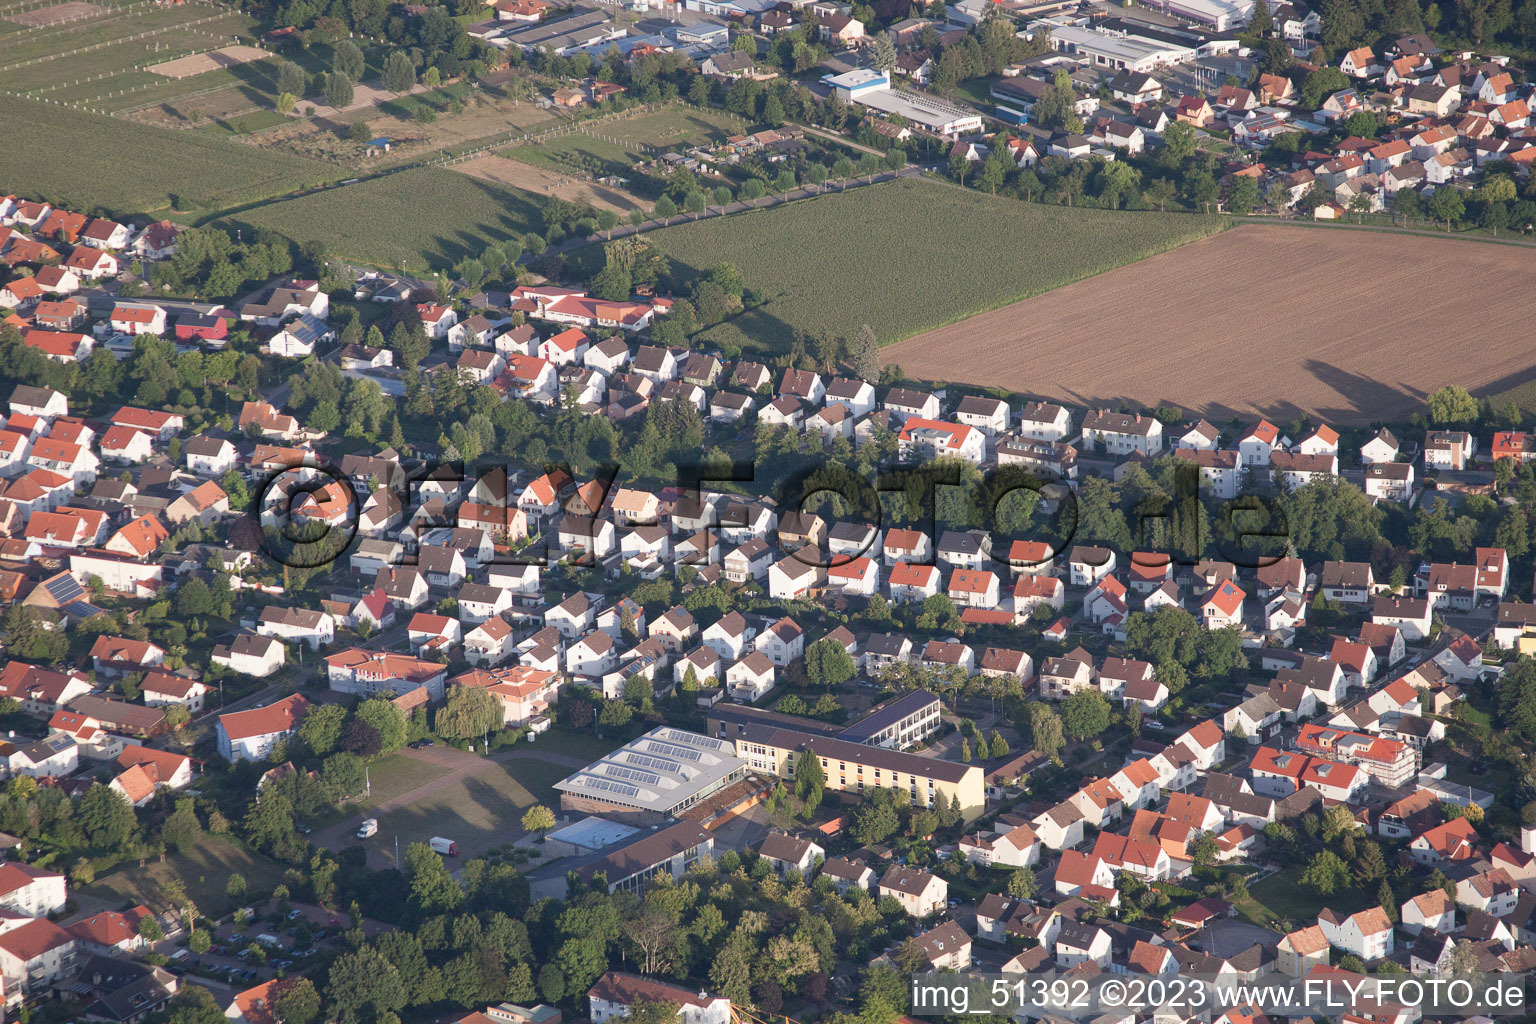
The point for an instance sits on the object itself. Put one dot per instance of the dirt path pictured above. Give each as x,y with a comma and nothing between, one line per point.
1273,320
506,171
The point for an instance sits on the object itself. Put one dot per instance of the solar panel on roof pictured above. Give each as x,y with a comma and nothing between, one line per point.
647,761
658,747
693,739
619,771
609,786
64,589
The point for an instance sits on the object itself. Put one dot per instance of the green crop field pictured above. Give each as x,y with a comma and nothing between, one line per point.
425,215
115,44
614,146
124,168
908,256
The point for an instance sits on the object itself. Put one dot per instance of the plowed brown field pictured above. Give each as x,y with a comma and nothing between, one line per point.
1351,326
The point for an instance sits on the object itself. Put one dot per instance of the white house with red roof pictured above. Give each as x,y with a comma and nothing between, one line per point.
114,655
1004,846
126,445
369,673
30,890
112,931
92,263
134,318
912,582
565,348
251,735
1223,606
1255,447
1367,934
427,632
616,992
936,438
33,956
436,319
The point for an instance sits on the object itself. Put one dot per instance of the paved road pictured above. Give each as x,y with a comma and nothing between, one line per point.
461,766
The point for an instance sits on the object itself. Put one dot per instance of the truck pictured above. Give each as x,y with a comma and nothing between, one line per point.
446,847
368,828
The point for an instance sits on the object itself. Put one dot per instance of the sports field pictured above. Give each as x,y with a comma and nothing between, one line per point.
908,256
1261,320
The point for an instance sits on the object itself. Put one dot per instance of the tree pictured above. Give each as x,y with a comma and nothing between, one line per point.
297,1002
432,888
321,728
347,59
386,719
1495,216
876,822
1243,197
338,90
882,52
1446,204
181,830
666,209
106,818
469,713
810,780
1363,124
864,353
291,78
1452,405
1160,192
538,818
1022,883
1359,205
1260,22
286,101
364,980
1084,714
1045,729
1326,874
399,72
828,663
999,745
1178,142
234,888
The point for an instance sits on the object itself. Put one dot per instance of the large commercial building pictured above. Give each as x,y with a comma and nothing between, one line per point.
873,89
1116,51
897,724
629,865
653,777
854,767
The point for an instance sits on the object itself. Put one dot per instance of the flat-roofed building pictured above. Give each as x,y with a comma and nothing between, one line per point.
628,865
653,777
853,767
898,724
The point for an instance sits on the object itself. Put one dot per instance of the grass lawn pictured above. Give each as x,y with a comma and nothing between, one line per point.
152,169
480,810
204,870
1281,896
907,256
424,215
